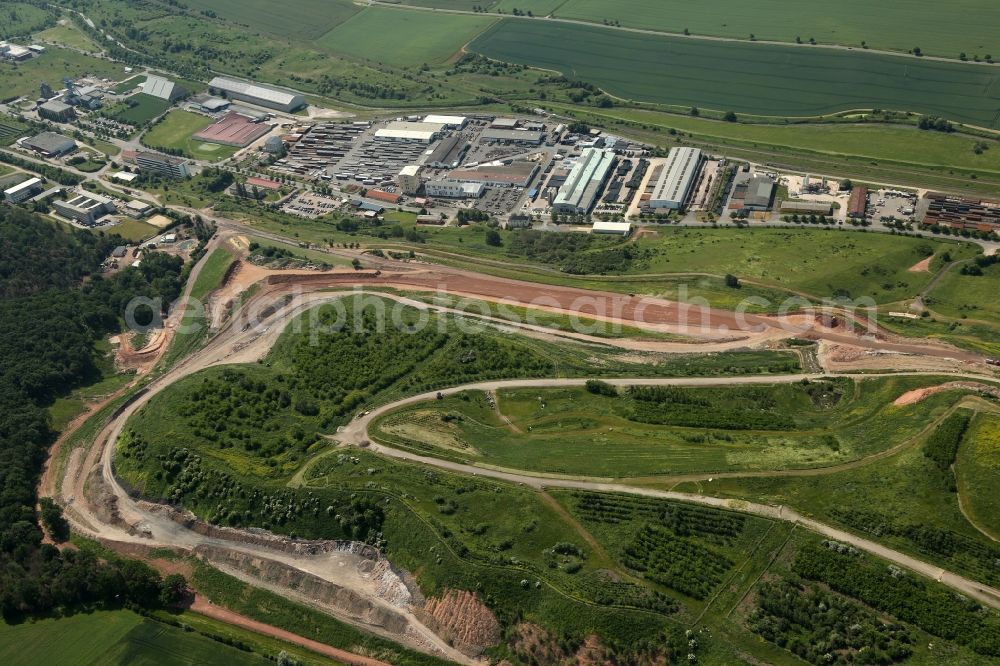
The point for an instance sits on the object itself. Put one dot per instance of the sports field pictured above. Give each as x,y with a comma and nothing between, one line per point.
305,19
879,142
176,130
572,431
104,638
403,37
760,79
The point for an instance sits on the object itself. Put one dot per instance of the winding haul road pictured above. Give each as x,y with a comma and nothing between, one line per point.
279,301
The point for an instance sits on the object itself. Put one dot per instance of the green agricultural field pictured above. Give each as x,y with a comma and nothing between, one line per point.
113,637
176,132
977,469
878,142
51,66
407,38
673,432
900,26
298,19
67,34
767,80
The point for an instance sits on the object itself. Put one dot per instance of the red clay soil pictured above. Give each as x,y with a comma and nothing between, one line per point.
206,608
462,616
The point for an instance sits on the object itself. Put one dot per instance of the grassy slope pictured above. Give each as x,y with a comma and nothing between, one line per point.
759,79
67,34
406,38
112,637
978,472
968,296
51,67
569,431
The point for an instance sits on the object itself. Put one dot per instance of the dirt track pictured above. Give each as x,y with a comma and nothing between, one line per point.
135,522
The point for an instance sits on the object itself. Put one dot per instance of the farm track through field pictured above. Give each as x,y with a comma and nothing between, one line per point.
230,344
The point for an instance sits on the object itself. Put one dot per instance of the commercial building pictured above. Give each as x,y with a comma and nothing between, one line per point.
448,154
163,88
618,228
402,130
56,111
450,189
806,207
579,193
50,144
857,207
523,137
85,207
164,165
408,179
256,93
382,195
515,174
677,179
504,123
22,191
455,122
209,104
263,183
124,176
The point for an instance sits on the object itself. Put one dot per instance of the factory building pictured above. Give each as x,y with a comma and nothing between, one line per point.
56,111
448,154
616,228
523,137
256,93
751,193
516,174
402,130
209,104
22,191
85,207
451,122
579,193
857,206
806,207
451,189
408,179
163,88
50,144
677,179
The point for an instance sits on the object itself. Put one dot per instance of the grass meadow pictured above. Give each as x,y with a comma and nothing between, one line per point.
759,79
298,19
51,67
977,469
67,34
139,109
570,431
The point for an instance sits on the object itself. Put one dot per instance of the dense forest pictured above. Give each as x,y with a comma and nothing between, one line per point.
54,307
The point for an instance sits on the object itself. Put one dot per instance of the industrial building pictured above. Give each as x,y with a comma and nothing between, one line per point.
164,165
163,88
448,154
382,195
677,179
806,207
618,228
85,207
22,191
274,146
49,144
209,104
579,193
450,189
515,174
56,111
233,130
256,93
452,122
751,193
504,123
857,206
961,212
408,179
511,136
402,130
15,52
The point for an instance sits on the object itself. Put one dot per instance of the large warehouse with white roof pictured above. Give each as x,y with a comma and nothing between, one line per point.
585,180
402,130
256,93
673,187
